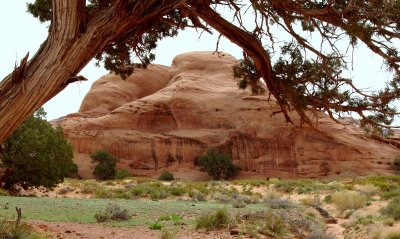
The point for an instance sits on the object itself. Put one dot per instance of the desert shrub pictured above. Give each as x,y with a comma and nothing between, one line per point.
112,212
166,176
278,203
328,198
393,208
221,198
308,201
348,200
238,203
90,186
367,190
122,174
392,235
36,154
217,165
177,190
201,197
212,221
273,225
105,168
272,193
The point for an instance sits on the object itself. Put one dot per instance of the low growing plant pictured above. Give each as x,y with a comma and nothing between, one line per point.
113,212
212,221
348,200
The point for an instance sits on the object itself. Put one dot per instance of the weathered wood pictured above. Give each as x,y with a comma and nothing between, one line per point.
65,52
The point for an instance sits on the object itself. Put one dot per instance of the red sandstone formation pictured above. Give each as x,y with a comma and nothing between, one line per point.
164,117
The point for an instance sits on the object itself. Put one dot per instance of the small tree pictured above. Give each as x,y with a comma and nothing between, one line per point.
36,154
217,165
105,168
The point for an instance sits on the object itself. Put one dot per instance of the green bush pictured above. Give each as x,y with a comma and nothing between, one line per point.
113,212
393,208
36,154
166,176
217,165
105,169
122,174
348,200
212,221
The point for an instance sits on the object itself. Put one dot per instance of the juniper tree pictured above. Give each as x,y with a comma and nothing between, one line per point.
122,34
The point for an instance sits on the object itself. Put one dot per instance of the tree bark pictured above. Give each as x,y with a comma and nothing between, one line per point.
72,42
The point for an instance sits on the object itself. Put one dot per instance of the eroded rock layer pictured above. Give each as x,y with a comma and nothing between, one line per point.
165,117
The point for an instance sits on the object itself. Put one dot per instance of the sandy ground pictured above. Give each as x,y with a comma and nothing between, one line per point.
71,230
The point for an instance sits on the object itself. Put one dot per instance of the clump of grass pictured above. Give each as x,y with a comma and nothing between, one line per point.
14,229
348,200
112,212
311,201
212,221
156,226
166,176
393,208
273,225
11,230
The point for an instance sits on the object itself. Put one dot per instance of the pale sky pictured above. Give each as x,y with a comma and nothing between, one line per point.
22,33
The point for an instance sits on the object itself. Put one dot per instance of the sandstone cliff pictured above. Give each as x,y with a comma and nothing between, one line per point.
165,117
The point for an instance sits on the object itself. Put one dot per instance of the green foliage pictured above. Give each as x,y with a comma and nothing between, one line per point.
213,221
112,212
122,174
393,208
41,9
36,154
105,168
166,176
9,230
156,226
217,165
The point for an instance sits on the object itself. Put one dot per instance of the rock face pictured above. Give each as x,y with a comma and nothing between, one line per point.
165,117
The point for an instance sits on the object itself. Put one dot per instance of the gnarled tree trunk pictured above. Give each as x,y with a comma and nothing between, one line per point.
75,37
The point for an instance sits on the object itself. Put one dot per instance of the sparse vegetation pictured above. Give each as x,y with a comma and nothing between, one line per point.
217,165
